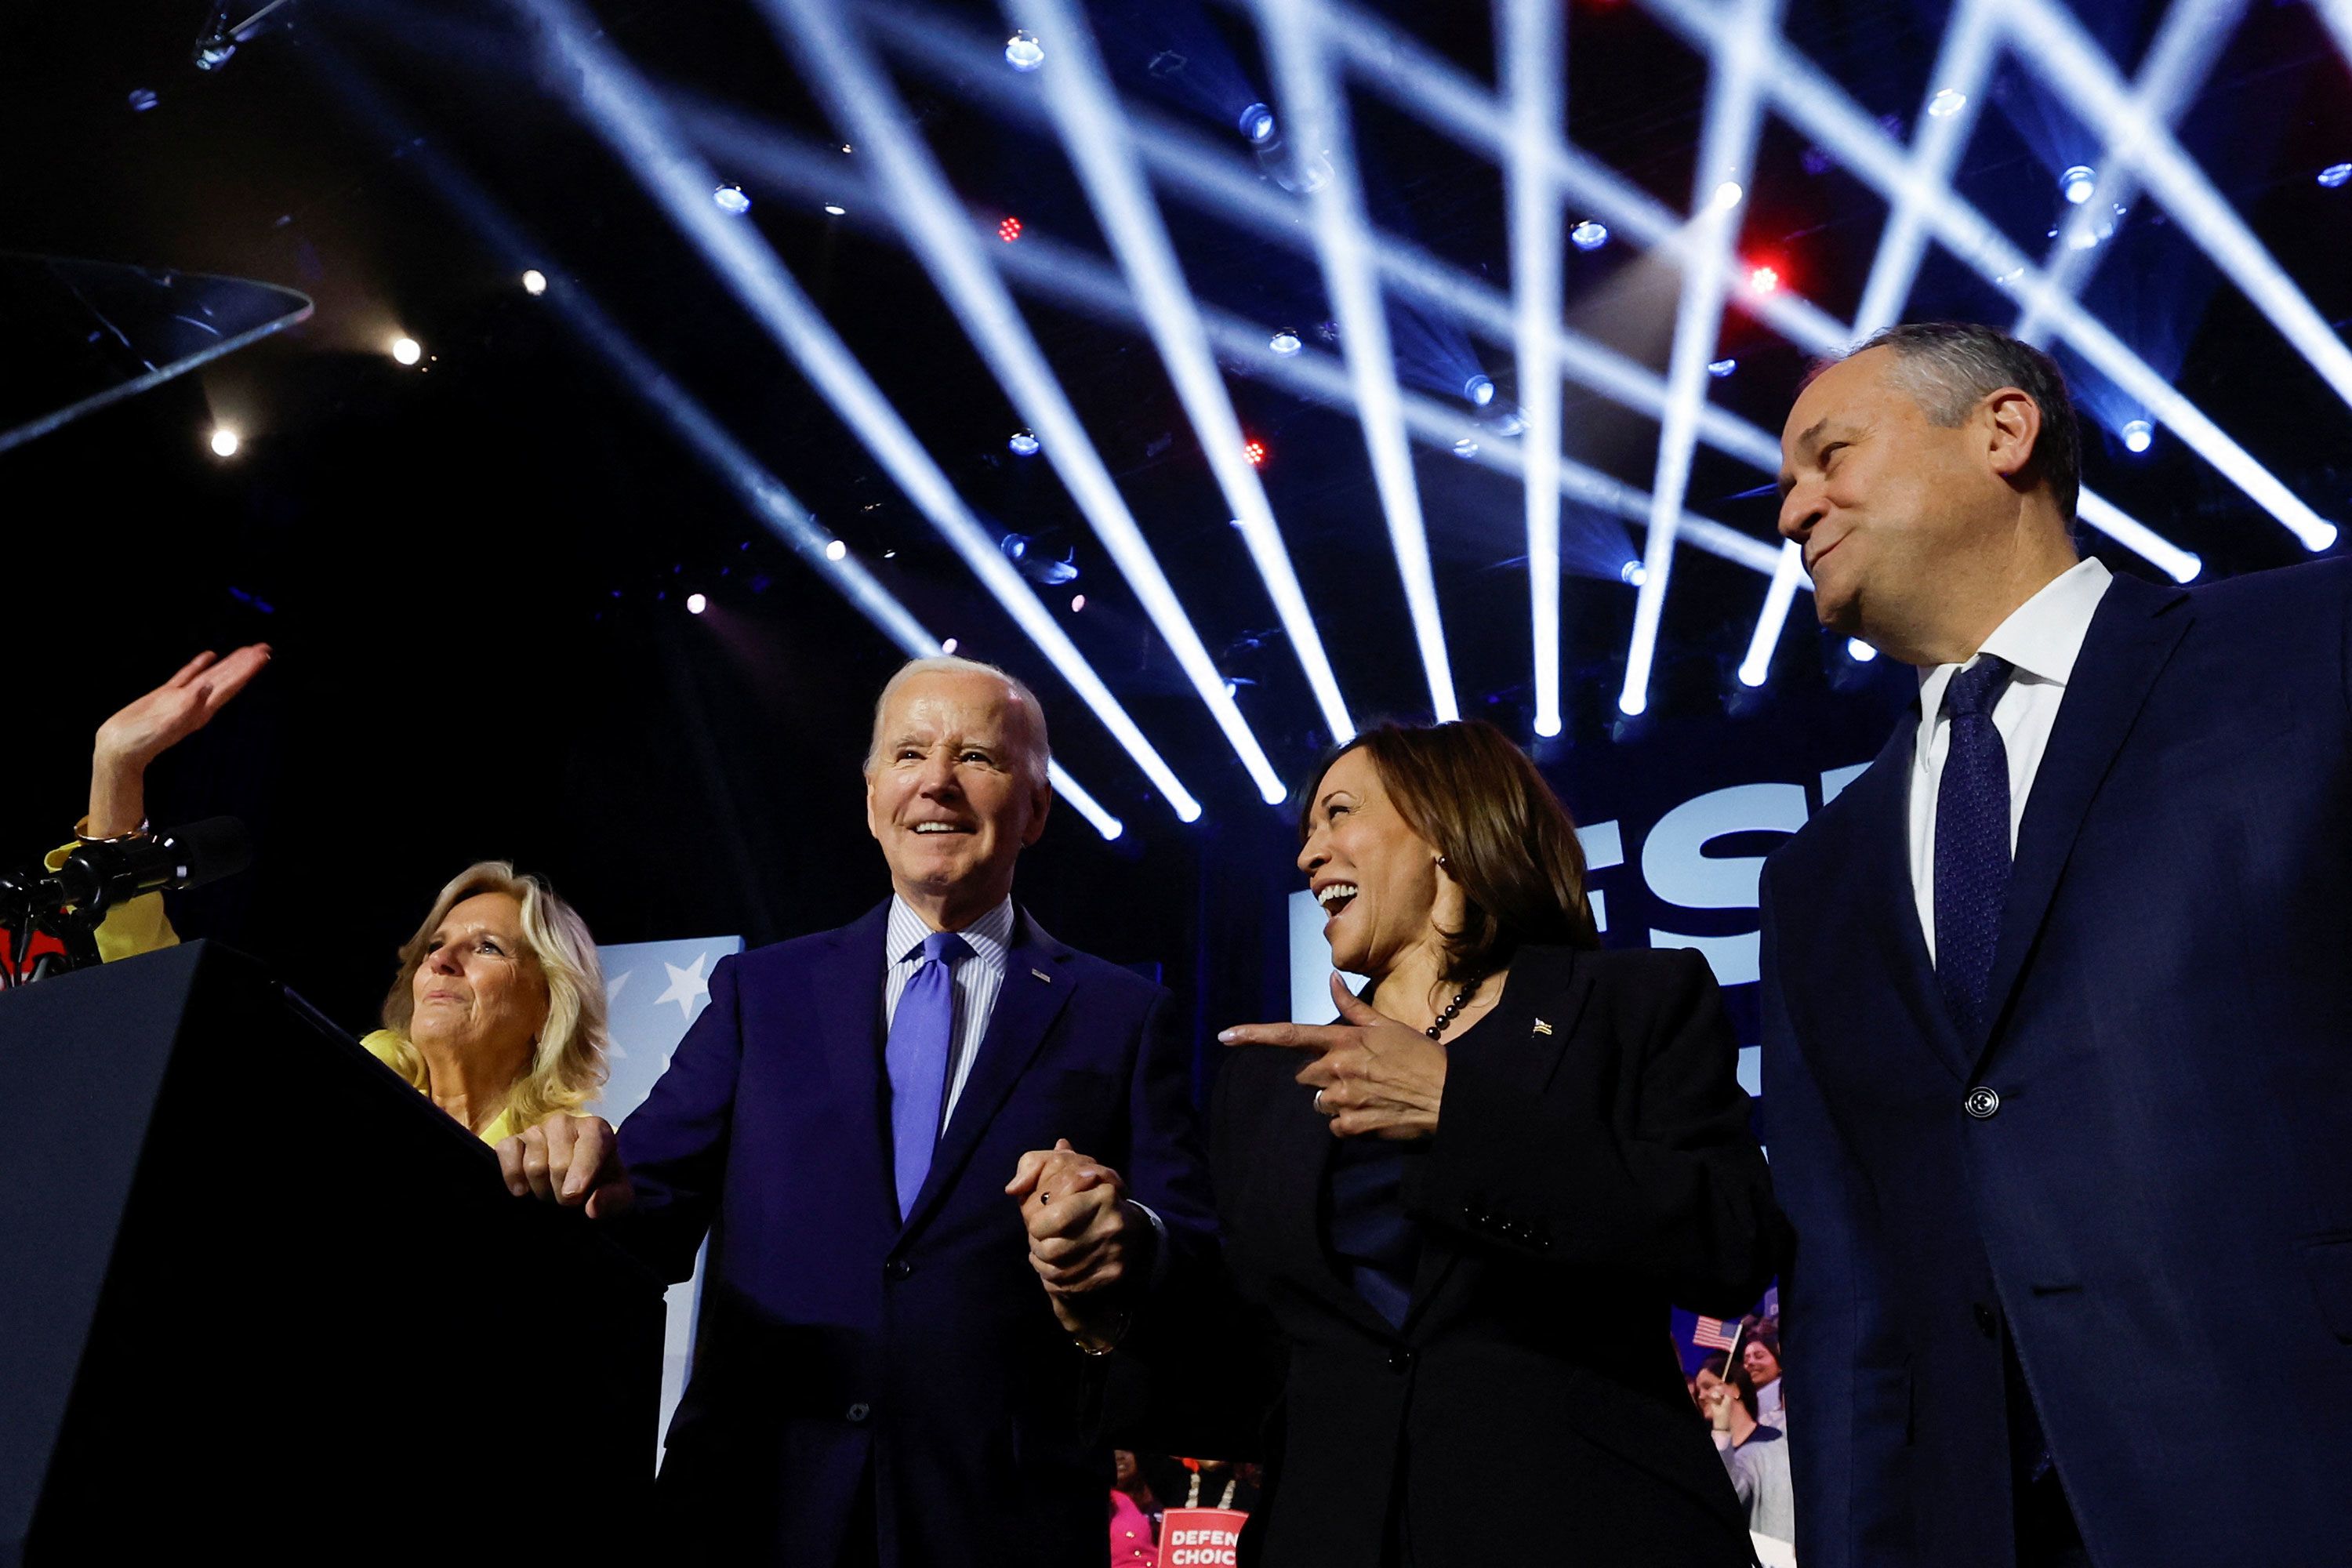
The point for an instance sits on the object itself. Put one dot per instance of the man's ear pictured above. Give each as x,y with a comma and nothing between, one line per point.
2014,428
1041,805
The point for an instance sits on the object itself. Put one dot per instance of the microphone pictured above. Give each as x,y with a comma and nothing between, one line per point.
96,877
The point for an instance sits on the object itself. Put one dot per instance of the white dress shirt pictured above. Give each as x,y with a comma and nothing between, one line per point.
2041,638
978,982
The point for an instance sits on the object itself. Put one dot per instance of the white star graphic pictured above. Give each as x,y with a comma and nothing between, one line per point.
685,985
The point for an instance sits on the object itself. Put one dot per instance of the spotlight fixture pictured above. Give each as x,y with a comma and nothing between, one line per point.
1860,651
947,644
1479,390
1024,444
225,442
1285,342
1948,102
1077,602
1465,447
1513,423
2335,174
696,603
142,100
1255,452
834,209
1022,52
1589,235
1258,124
731,199
2138,435
407,351
1009,230
1727,195
534,281
1633,574
836,550
1763,280
2077,184
1720,368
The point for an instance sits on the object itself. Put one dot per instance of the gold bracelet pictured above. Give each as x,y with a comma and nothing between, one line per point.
82,835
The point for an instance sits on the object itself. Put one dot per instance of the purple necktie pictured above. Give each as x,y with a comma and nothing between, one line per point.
1972,854
916,1057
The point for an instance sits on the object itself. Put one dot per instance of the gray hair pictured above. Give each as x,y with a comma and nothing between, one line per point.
1949,367
1036,753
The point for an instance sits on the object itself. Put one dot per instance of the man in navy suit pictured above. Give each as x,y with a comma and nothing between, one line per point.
2058,1014
878,1379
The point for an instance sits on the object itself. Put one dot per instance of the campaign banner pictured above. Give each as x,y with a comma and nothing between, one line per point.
1201,1536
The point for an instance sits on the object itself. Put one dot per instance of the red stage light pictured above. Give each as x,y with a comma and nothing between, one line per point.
1009,230
1763,280
1255,452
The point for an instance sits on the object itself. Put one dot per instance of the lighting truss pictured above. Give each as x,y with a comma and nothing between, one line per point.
619,107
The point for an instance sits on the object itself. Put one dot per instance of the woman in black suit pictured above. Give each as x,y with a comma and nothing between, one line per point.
1457,1216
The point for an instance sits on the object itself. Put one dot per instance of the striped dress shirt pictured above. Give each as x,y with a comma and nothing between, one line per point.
978,982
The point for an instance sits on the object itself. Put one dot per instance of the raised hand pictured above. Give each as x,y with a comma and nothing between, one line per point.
1372,1075
153,724
573,1161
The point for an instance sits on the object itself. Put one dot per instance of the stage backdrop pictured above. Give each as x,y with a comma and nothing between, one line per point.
655,990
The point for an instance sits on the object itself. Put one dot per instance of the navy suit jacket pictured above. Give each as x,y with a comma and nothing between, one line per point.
832,1336
2157,1215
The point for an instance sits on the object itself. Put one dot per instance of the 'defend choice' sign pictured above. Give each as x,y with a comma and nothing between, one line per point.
1201,1536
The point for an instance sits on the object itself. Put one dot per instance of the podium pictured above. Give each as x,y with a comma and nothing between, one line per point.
258,1297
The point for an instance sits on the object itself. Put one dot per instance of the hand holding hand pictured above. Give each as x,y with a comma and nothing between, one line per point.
1082,1230
1372,1074
573,1160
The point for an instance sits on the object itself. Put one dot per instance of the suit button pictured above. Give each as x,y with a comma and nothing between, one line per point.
898,1268
859,1411
1984,1318
1981,1103
1401,1360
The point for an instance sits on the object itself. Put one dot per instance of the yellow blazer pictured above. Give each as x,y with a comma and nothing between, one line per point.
141,926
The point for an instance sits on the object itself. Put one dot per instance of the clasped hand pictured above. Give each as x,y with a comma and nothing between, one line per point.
1374,1077
1082,1230
573,1160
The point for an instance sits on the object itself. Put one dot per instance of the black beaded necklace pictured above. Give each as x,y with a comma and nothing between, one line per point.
1453,1009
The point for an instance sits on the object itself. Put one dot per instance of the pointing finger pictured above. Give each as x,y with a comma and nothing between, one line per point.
1293,1036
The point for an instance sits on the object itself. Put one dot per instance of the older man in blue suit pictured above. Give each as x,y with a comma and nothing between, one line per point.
879,1377
2058,1022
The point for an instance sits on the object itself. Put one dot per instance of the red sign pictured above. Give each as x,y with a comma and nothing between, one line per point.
1201,1536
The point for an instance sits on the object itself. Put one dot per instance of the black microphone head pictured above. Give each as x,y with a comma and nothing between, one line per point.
208,850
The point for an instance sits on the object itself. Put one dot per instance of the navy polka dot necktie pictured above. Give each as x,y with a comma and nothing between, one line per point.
1972,853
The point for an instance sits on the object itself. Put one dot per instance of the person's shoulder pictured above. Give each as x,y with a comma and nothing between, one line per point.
2310,584
1642,969
1104,980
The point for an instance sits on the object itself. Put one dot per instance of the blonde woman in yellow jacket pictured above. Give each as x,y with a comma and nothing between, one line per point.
498,1014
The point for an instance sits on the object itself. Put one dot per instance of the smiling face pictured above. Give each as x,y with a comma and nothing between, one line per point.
478,994
1762,1365
953,793
1376,878
1893,511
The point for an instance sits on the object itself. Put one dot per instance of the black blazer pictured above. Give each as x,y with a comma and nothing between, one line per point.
1592,1164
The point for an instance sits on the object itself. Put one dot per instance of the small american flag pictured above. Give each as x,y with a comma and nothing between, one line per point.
1711,1334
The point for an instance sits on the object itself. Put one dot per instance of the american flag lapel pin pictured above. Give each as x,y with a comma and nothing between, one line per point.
1542,1028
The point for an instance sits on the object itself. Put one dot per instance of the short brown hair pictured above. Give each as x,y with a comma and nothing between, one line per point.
1506,836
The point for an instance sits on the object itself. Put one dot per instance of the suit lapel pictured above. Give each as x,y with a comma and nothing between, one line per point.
1880,914
1525,994
845,994
2132,634
1038,986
